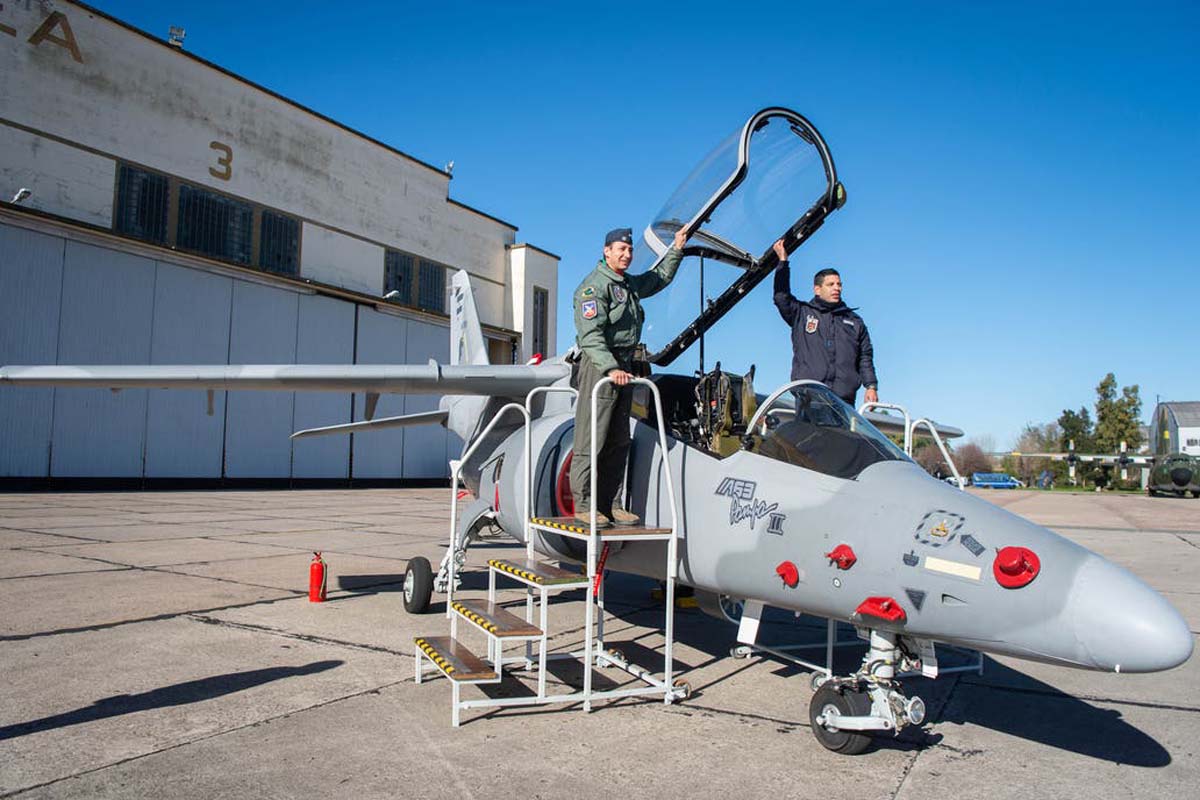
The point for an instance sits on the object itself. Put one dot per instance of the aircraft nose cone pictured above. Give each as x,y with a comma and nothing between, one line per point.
1181,476
1122,624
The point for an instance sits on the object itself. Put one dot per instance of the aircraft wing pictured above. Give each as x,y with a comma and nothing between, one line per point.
403,421
1099,458
431,378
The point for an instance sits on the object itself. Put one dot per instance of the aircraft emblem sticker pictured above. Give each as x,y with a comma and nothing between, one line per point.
743,507
939,527
810,323
911,559
589,309
619,294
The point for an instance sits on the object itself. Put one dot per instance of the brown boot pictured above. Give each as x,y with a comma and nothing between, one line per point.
583,516
624,519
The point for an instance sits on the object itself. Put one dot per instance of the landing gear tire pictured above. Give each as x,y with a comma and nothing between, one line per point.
831,701
418,585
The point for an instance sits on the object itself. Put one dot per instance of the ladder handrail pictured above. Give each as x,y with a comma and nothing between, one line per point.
529,551
908,424
456,471
672,542
937,438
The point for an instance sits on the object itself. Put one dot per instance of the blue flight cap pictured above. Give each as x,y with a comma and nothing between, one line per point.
619,235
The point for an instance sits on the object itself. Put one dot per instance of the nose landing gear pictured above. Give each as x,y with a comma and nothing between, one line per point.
844,710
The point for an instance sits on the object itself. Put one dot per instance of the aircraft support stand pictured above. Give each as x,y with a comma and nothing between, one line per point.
450,658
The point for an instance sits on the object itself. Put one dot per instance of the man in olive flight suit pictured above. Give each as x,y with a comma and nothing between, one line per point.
608,327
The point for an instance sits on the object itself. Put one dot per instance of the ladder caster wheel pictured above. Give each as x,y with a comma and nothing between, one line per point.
680,683
818,680
740,651
614,653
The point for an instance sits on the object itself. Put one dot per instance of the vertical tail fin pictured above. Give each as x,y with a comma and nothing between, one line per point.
467,345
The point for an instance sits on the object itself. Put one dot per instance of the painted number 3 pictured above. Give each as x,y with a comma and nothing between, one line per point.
224,166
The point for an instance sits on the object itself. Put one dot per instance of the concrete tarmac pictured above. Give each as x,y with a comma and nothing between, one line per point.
161,644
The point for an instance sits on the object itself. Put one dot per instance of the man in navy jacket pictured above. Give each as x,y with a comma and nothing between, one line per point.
830,343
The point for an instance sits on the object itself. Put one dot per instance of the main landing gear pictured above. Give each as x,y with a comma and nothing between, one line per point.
844,710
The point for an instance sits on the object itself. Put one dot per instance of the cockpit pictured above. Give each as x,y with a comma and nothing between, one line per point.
803,424
772,179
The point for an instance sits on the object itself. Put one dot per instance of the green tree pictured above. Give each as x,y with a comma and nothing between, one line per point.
1075,426
1118,419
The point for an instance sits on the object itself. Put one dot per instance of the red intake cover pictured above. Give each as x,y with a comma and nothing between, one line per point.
843,556
882,607
788,572
1015,567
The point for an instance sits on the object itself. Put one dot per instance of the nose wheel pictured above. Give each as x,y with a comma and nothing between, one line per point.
828,704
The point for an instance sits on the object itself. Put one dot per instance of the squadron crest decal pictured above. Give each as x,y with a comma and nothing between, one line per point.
744,507
939,528
811,321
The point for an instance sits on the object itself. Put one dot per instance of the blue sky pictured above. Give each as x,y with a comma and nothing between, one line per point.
1023,178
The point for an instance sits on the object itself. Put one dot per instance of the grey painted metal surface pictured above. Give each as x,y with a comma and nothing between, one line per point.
30,287
116,307
325,336
425,448
107,301
191,325
257,425
382,339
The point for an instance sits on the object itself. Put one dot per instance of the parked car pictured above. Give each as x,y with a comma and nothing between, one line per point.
995,480
953,481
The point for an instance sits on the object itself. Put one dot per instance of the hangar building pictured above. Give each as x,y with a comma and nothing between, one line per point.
166,211
1175,428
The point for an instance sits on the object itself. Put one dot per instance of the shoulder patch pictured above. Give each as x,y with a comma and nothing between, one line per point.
588,307
588,291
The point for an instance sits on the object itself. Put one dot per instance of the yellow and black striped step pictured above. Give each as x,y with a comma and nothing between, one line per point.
572,525
494,619
536,572
455,661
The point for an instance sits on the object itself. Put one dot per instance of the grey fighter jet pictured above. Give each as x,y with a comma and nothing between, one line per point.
805,504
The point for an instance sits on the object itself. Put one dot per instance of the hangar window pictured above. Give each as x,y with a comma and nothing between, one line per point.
143,200
431,288
214,225
398,276
540,333
279,243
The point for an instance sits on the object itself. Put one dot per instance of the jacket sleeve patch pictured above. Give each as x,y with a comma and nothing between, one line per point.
588,291
588,307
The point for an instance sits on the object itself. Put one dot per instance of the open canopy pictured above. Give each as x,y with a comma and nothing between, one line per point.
772,178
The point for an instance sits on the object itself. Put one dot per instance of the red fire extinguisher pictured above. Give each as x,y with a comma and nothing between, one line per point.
317,579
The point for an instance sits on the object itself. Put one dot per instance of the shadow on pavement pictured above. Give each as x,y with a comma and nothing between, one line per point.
175,695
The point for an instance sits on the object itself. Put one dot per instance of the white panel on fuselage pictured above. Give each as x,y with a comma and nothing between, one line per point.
191,326
325,336
107,298
31,267
262,331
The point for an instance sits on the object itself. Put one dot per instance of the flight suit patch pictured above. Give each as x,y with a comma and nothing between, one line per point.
619,294
588,307
588,291
810,323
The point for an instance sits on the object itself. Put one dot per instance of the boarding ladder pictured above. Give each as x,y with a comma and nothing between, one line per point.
449,657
